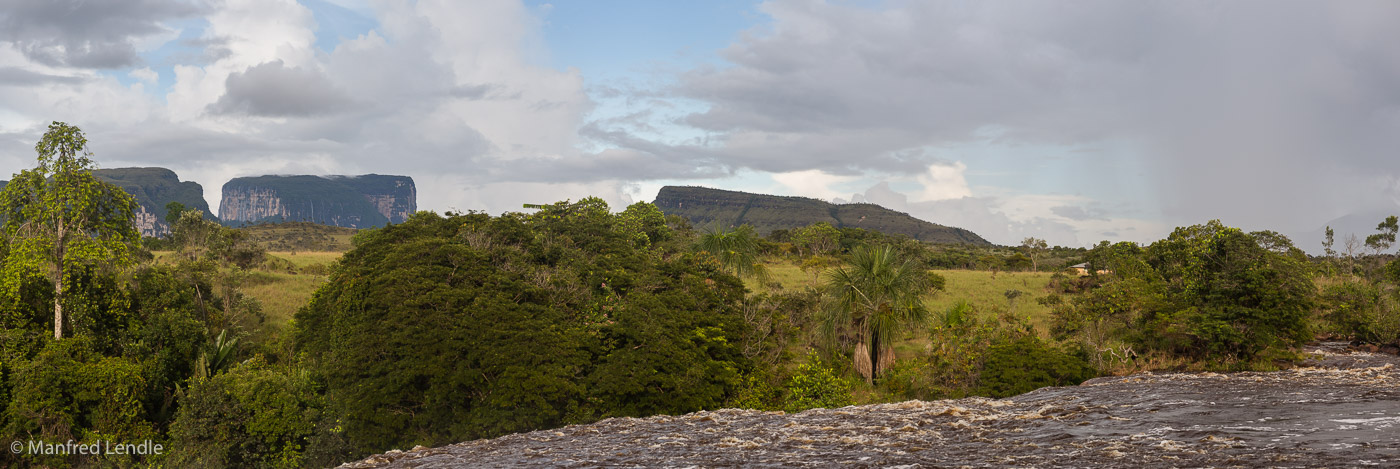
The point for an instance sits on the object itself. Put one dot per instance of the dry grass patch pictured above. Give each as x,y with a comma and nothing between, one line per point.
302,259
282,294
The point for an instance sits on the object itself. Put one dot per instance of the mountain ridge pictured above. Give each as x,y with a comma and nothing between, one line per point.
708,206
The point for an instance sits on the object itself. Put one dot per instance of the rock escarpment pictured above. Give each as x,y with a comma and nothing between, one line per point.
349,201
154,188
1342,410
706,207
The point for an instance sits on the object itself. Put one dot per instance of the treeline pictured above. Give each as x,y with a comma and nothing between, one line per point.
821,239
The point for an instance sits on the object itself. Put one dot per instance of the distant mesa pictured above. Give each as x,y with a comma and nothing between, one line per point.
153,188
365,201
709,207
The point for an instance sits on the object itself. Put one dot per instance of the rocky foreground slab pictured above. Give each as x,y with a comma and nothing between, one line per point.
1342,410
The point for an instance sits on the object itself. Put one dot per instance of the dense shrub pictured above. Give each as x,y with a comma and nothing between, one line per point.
443,329
816,385
250,416
1029,363
1207,292
70,392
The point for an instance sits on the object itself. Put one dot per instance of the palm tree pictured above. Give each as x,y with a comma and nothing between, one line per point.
874,295
737,250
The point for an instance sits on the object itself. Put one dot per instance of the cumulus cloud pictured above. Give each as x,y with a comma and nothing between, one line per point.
86,34
275,90
145,74
812,183
944,181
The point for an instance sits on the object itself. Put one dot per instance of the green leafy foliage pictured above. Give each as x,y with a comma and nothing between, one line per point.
69,391
816,385
443,329
644,223
1028,363
250,416
1207,291
873,296
818,238
735,249
59,218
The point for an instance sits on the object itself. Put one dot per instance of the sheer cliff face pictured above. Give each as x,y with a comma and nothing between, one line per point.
395,197
349,201
153,188
251,203
149,224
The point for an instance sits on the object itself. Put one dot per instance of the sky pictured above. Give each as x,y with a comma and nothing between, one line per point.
1073,122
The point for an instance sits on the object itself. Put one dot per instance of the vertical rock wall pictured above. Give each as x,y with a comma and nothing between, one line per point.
349,201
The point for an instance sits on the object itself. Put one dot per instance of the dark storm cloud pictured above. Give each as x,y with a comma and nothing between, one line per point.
275,90
85,33
1233,107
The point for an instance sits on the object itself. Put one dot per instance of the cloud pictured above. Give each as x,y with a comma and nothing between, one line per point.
86,34
1230,110
1063,121
811,183
274,90
1077,213
16,76
944,181
144,74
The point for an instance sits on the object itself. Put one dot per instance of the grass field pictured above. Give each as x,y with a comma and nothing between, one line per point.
300,236
281,294
302,259
986,294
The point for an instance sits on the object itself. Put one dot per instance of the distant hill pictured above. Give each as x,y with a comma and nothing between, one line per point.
300,236
707,207
348,201
154,188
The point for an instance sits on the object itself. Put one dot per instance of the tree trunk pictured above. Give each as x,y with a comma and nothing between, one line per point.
885,360
58,283
862,362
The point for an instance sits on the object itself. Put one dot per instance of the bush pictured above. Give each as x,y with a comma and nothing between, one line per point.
70,392
250,416
816,386
756,392
474,326
1028,363
936,281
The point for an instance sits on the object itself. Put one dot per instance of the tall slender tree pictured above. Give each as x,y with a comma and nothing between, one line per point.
874,295
1381,241
59,218
1035,248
